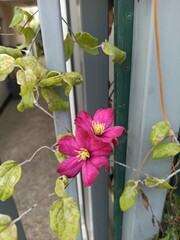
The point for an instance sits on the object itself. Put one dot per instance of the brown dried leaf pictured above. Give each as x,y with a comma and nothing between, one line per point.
145,200
160,226
153,220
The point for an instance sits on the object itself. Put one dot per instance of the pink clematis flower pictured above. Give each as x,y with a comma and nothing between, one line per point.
100,125
86,153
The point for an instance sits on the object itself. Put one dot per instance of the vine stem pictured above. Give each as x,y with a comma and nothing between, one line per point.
53,117
34,39
160,181
37,203
131,168
70,29
159,58
29,19
34,154
143,161
31,208
165,179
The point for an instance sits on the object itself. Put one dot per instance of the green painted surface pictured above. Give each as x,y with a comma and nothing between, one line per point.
123,23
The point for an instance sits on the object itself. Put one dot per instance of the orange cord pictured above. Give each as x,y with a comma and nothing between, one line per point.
159,58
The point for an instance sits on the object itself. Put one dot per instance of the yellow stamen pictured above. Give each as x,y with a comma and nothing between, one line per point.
98,128
83,154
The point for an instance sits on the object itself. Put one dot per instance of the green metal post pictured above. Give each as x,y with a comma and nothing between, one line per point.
123,23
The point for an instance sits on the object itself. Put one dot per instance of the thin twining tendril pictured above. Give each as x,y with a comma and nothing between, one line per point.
37,203
38,150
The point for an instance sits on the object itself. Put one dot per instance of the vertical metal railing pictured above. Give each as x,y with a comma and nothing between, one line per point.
52,34
94,19
145,107
123,31
95,92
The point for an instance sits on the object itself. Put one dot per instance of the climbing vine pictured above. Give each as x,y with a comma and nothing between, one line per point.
90,147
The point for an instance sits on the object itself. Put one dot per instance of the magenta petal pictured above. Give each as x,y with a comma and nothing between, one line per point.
99,148
100,161
89,173
68,146
83,120
104,116
115,142
83,137
70,167
112,133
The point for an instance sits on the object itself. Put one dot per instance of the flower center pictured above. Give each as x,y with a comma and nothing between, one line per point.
83,154
98,128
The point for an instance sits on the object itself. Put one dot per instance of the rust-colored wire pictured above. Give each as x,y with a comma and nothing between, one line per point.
159,58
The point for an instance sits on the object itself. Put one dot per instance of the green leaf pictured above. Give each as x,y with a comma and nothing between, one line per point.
67,89
61,79
150,182
30,62
166,150
8,231
60,187
10,173
27,80
129,195
118,56
28,35
158,132
54,101
68,46
29,16
26,102
64,218
60,156
73,78
87,42
13,52
6,66
17,18
52,79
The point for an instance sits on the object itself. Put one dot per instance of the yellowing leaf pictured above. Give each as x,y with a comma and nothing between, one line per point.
87,42
26,102
158,132
10,173
60,187
27,80
64,218
6,66
67,89
30,62
13,52
60,156
151,182
8,231
118,56
54,101
17,18
73,78
166,150
52,79
68,46
28,35
129,195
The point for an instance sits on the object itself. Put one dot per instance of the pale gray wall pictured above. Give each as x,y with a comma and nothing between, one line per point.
145,108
